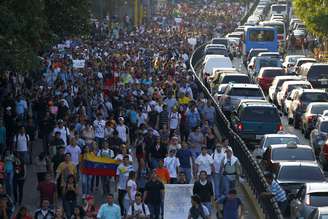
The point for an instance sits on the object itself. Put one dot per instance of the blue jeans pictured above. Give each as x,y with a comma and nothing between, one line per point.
228,184
208,205
187,171
86,183
217,182
24,156
154,162
69,207
9,182
154,210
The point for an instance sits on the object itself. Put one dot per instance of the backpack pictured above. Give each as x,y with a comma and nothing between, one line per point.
27,140
143,208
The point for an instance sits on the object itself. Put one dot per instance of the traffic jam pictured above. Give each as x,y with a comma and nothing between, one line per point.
273,92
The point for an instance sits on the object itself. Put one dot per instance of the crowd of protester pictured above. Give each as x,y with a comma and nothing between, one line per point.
132,99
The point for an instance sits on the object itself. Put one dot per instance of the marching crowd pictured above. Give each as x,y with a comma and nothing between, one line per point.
124,95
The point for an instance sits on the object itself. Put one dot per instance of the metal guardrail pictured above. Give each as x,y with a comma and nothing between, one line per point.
254,174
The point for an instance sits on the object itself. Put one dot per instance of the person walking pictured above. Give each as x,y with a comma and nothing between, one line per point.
131,190
198,210
232,206
154,195
172,163
19,178
186,159
48,190
21,144
122,175
204,162
44,212
218,157
138,209
204,189
70,196
231,171
109,210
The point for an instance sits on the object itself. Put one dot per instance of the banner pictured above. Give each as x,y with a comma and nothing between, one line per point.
98,166
177,200
78,63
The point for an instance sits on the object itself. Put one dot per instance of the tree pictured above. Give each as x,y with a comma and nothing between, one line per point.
314,13
68,17
21,34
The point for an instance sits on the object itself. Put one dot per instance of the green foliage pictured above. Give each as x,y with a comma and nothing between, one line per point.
68,17
314,13
27,28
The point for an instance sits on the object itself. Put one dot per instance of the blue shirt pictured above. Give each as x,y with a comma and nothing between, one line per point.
184,156
279,193
230,207
107,211
193,119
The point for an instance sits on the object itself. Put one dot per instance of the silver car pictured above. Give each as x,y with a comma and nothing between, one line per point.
308,198
234,93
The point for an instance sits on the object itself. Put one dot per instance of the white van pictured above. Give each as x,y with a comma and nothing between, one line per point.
280,27
215,61
279,9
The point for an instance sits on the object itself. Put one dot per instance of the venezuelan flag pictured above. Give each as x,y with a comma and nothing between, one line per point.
98,166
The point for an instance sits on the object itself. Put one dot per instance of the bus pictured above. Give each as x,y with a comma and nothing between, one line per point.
257,37
281,30
279,9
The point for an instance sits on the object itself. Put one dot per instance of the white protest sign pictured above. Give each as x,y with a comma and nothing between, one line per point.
78,63
177,201
192,41
178,20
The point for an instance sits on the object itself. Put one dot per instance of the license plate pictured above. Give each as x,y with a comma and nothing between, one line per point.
259,137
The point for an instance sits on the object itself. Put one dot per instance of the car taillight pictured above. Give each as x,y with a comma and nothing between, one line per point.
307,200
280,127
240,126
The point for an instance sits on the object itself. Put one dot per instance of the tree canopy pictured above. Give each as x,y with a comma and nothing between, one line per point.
314,13
28,27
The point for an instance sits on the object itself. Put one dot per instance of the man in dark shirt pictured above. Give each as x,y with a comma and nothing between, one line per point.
47,190
55,144
157,152
185,156
204,189
154,195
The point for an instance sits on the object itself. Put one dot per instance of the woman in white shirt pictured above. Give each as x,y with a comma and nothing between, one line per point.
131,190
174,121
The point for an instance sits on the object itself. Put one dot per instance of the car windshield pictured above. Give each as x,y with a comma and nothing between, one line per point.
292,154
318,109
319,199
272,73
246,92
235,79
255,53
318,72
301,174
293,59
324,127
261,35
278,8
314,97
295,86
281,140
323,216
269,63
216,51
260,114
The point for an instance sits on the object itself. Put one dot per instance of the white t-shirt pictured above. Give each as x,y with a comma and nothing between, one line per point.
99,128
171,163
133,185
138,209
22,142
75,153
204,163
64,132
122,132
174,118
218,158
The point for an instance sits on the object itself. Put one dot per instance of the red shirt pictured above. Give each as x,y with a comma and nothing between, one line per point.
47,191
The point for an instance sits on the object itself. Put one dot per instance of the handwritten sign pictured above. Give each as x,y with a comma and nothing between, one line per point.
177,200
78,63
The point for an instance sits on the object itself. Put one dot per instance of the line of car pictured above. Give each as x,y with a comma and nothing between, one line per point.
254,102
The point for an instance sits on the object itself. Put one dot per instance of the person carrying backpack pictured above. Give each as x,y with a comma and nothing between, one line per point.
138,210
